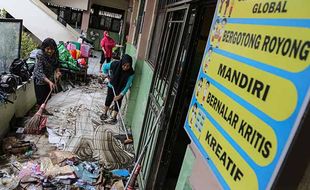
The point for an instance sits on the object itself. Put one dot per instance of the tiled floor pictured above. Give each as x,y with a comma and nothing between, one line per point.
93,67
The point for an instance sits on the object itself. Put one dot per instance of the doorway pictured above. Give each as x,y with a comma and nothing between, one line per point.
182,47
177,140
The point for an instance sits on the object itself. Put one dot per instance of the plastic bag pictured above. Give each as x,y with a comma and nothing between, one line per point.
66,59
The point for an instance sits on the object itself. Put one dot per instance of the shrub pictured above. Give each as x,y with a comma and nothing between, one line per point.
27,45
2,13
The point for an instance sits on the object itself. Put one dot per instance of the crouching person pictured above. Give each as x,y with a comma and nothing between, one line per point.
120,74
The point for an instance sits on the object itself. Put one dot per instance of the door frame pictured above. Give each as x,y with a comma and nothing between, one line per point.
154,102
174,126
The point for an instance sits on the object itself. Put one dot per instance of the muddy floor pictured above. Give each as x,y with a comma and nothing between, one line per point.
75,150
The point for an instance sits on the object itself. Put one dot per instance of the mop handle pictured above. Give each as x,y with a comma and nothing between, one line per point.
120,115
144,148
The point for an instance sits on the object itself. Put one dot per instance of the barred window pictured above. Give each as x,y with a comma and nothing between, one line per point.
156,38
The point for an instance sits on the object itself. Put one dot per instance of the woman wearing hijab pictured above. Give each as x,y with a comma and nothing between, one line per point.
46,66
121,76
107,44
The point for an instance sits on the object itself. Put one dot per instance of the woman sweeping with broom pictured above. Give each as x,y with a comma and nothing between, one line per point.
121,76
46,66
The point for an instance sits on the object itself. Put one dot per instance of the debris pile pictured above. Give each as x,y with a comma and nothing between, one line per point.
76,150
62,170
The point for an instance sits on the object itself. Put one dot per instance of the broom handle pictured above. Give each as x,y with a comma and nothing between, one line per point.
49,94
120,115
140,156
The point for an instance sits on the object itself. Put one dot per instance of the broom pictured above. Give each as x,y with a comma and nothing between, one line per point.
34,124
137,167
128,140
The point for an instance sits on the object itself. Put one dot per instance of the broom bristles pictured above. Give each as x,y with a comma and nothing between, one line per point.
32,124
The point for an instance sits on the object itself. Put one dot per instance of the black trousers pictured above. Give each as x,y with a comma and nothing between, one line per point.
109,100
41,92
103,58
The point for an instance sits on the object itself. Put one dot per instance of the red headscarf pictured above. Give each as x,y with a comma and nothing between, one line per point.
108,44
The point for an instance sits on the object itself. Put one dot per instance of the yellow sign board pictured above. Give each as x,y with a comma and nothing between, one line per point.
237,173
260,88
263,9
252,89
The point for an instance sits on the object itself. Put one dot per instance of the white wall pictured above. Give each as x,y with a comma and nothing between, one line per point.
37,18
118,4
79,4
6,113
24,100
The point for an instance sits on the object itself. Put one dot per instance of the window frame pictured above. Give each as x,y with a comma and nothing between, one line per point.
160,9
139,23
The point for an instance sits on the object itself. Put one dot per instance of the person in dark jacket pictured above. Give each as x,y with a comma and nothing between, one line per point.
46,66
120,74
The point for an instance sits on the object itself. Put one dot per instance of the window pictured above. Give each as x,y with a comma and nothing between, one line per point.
106,18
157,31
73,16
76,18
67,15
139,24
107,23
10,40
62,14
79,18
102,21
55,10
116,24
153,51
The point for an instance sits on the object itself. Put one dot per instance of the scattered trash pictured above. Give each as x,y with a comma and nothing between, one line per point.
118,185
86,150
29,153
7,181
28,170
12,145
121,172
88,172
20,130
58,157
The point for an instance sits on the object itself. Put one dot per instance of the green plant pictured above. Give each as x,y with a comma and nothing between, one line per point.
2,13
27,45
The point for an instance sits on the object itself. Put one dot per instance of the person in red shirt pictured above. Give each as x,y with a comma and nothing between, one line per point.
107,44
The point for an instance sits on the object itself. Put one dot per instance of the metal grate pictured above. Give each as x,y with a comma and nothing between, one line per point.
162,82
